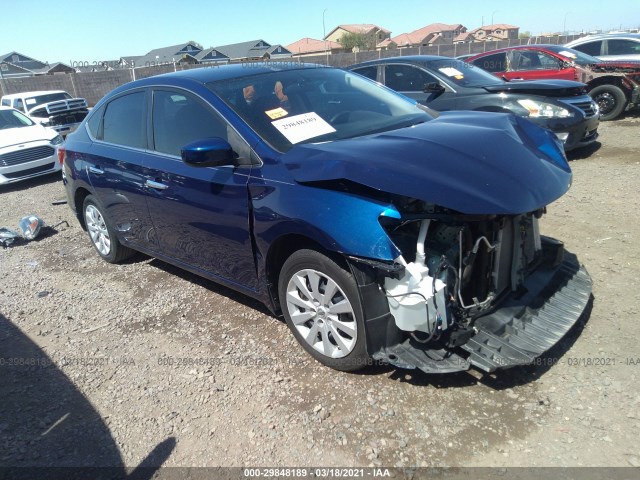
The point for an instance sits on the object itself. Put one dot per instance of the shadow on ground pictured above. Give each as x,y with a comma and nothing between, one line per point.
584,152
34,182
48,428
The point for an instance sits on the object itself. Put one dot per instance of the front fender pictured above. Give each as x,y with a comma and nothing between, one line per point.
339,221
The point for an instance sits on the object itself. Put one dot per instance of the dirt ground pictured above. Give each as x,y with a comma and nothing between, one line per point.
143,364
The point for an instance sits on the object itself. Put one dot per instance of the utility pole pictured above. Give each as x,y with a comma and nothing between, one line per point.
324,36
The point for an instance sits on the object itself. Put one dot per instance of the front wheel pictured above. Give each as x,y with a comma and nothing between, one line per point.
321,305
610,99
101,234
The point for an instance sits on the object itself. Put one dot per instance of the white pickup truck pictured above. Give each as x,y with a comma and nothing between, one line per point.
52,108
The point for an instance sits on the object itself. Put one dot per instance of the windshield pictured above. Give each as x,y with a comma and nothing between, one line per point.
33,102
574,55
13,119
462,73
316,105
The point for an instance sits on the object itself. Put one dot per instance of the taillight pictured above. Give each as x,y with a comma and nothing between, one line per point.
62,153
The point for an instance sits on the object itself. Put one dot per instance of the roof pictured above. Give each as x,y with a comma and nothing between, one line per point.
36,93
211,55
311,45
600,36
251,49
359,28
224,72
417,36
495,26
415,59
385,43
169,54
8,57
463,36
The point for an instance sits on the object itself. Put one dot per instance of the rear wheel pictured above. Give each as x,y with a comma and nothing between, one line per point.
321,305
610,99
101,234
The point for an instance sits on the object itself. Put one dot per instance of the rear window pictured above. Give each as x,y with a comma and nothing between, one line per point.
124,120
492,63
590,48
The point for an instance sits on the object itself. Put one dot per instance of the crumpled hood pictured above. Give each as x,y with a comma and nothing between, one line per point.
471,162
547,88
17,136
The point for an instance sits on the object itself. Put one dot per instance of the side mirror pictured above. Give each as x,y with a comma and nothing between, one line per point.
210,152
433,87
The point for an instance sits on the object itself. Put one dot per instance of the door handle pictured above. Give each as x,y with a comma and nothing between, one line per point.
156,185
95,170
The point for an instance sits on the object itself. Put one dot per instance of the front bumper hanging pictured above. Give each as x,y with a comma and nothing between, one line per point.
522,328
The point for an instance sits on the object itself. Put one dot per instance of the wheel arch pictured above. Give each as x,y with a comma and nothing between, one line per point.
616,81
281,249
78,201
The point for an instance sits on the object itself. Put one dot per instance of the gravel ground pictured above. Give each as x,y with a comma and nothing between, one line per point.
143,364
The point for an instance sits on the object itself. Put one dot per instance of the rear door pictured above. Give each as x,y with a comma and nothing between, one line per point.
537,65
495,63
621,47
200,214
115,165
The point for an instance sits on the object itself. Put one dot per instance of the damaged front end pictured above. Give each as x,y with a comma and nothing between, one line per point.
473,290
64,116
470,280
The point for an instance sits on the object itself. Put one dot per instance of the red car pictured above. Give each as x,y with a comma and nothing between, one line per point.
615,86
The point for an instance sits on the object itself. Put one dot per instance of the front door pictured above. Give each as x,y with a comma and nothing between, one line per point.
200,214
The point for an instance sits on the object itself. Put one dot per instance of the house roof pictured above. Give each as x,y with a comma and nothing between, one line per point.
211,55
9,69
168,54
359,28
252,49
385,43
8,57
59,66
463,36
495,26
311,45
419,35
22,61
131,59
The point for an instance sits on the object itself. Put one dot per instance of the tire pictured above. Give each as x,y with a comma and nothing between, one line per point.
101,234
610,99
336,339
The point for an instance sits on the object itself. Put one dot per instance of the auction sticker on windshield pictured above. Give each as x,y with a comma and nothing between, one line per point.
452,72
303,127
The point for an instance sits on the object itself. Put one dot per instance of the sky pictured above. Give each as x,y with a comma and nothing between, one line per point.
87,31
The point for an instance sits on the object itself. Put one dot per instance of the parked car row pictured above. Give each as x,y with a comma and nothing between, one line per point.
449,84
614,85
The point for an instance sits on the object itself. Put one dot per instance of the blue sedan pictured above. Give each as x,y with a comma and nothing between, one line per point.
380,230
